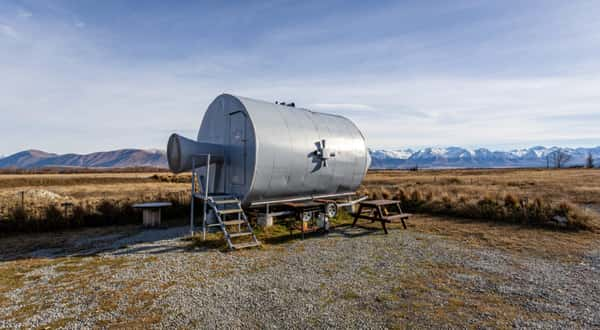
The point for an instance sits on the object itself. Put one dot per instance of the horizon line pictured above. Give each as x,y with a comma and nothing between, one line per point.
369,148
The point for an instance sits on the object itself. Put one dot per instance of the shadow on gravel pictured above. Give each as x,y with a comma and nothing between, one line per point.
118,240
124,240
344,230
280,234
357,231
149,249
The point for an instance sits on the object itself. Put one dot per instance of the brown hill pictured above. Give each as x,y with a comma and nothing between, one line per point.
30,159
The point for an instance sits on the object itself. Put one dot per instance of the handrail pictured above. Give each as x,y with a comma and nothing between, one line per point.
205,188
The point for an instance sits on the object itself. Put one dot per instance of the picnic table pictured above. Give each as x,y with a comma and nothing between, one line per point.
151,212
382,210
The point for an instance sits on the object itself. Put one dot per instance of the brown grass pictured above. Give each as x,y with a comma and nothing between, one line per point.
520,196
517,239
33,202
580,186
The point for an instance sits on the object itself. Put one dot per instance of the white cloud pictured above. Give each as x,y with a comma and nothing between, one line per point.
461,111
8,31
341,106
64,92
101,107
24,13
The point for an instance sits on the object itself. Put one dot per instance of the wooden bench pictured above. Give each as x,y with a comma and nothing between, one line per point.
151,212
381,210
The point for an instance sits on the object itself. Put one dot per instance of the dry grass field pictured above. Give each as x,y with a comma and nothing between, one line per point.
569,198
34,202
530,196
42,189
444,271
580,186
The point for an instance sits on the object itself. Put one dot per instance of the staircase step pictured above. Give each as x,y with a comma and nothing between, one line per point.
246,233
230,211
244,245
226,201
233,222
223,205
215,195
215,198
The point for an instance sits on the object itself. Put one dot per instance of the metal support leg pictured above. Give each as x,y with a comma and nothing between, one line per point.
192,198
206,196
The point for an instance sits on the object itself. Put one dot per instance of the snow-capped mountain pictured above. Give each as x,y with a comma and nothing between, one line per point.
395,154
451,157
456,157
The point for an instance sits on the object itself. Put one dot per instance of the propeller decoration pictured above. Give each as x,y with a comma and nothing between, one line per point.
323,153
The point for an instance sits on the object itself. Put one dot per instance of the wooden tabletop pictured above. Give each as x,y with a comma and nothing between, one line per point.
379,202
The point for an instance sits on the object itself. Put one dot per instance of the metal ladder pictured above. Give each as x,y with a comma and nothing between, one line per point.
232,220
224,206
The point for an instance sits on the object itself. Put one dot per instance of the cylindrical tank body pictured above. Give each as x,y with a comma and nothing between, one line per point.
274,152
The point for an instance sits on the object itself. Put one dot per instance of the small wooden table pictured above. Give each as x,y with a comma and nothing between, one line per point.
151,212
379,210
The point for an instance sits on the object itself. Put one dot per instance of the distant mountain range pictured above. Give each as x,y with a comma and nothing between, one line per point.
456,157
451,157
110,159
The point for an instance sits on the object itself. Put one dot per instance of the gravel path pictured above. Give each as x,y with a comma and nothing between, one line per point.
352,278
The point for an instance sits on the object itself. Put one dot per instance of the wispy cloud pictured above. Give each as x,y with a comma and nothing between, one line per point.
462,73
24,13
8,31
342,106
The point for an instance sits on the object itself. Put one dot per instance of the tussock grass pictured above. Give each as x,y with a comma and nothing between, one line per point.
84,214
546,198
34,202
497,195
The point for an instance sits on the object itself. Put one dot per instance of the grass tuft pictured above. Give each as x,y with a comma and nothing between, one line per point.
511,209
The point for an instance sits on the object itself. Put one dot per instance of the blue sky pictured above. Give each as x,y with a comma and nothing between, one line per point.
84,76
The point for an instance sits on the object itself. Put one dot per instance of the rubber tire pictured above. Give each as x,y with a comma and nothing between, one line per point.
331,210
307,216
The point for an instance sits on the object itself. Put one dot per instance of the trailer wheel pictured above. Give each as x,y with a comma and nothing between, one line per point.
306,216
331,210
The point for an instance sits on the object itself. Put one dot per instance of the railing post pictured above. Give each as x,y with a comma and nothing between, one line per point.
206,195
192,197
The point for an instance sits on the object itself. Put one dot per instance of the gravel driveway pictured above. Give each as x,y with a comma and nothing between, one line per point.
352,278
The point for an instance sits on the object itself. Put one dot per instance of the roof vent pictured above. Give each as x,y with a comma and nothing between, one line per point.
291,104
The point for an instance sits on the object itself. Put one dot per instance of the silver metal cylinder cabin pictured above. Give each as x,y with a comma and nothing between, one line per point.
266,152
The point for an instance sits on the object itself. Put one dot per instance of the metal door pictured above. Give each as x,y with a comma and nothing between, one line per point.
237,149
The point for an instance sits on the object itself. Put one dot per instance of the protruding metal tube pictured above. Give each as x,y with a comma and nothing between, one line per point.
180,152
